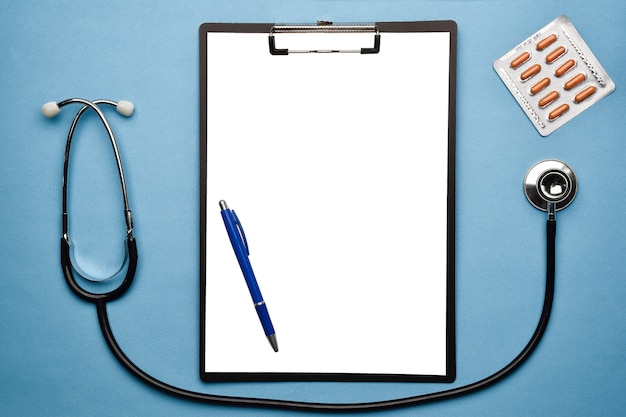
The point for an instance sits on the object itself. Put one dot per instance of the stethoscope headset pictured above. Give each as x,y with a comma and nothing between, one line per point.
549,186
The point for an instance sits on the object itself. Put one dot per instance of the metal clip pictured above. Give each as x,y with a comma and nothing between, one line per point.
324,27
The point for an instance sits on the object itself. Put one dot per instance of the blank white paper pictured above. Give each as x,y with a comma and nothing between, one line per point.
336,165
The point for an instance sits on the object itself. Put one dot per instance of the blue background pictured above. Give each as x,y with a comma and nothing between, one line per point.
53,360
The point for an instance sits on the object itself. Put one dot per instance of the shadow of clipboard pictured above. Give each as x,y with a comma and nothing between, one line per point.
341,167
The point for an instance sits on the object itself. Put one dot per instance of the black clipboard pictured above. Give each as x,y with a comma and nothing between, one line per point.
335,144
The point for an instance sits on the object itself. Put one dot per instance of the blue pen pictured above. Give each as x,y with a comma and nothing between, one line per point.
240,246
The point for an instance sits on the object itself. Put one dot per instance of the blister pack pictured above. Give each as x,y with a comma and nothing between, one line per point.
553,75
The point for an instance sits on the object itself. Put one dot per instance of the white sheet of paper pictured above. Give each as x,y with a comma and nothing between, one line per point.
336,165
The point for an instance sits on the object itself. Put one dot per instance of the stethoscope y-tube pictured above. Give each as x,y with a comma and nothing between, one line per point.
552,183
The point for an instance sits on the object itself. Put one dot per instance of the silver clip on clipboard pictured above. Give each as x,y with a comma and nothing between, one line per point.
324,27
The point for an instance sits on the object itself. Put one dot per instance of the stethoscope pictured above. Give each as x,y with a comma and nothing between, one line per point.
549,185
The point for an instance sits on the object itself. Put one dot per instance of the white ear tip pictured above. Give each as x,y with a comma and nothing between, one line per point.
125,108
50,109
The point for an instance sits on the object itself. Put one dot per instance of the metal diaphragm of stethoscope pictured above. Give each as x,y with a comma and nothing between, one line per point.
549,185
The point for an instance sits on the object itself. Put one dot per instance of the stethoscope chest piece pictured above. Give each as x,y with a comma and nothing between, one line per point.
550,181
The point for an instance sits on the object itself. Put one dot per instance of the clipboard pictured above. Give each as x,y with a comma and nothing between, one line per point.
335,144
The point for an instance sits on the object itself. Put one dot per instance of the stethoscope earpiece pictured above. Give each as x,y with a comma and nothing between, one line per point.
550,182
50,109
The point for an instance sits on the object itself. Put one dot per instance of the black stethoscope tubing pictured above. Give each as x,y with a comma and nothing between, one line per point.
101,299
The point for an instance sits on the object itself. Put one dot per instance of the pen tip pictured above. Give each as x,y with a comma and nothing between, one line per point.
223,205
273,342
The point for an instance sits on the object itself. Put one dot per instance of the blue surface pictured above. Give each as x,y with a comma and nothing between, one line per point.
53,359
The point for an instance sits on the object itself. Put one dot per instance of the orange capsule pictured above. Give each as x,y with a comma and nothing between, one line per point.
545,42
560,71
539,86
549,98
558,112
574,81
520,59
585,94
556,54
534,70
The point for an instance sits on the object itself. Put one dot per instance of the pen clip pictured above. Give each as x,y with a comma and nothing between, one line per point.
242,234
